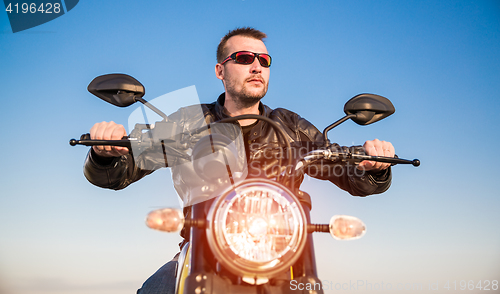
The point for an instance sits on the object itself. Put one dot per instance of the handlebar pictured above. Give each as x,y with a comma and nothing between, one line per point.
311,156
351,156
86,141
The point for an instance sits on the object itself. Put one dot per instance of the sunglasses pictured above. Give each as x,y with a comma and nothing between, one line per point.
245,57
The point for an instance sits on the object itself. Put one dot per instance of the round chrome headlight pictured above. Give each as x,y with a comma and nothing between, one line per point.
257,230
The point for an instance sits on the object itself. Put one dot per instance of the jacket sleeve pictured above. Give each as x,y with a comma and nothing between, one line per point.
118,172
112,173
347,177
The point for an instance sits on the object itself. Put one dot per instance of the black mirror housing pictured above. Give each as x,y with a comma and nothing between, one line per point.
118,89
368,108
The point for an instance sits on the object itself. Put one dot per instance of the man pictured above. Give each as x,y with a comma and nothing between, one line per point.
243,66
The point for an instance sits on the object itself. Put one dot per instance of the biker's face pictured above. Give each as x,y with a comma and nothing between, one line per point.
246,84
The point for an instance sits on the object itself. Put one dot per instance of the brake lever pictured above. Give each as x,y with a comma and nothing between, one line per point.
392,160
356,158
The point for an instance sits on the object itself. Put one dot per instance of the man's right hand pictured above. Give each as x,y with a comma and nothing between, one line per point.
108,131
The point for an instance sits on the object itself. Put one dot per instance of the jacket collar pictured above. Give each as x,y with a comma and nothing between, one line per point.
221,112
257,130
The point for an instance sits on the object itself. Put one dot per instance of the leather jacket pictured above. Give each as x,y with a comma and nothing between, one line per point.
264,148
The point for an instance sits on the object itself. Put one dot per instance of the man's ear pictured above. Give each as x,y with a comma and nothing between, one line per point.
219,71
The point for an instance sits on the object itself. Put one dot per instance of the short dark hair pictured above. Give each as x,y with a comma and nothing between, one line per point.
245,32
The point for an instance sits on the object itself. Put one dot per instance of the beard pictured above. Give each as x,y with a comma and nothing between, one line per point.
246,98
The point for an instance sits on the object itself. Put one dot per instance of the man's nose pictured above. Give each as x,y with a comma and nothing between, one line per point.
255,67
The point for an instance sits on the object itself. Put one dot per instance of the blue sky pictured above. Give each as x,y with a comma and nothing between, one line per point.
437,61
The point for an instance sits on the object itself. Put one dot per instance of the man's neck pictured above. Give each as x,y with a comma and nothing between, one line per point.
233,110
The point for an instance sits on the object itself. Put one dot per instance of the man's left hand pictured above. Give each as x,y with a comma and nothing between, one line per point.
377,148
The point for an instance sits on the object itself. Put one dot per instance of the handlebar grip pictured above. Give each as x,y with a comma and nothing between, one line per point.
395,156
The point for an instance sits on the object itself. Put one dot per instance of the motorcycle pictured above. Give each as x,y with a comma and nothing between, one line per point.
246,234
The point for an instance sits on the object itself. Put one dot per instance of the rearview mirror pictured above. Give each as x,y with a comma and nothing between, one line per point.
118,89
368,108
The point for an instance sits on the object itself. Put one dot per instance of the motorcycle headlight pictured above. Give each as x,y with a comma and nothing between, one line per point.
257,230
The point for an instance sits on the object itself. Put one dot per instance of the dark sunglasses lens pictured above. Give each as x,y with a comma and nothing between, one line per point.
244,58
265,60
